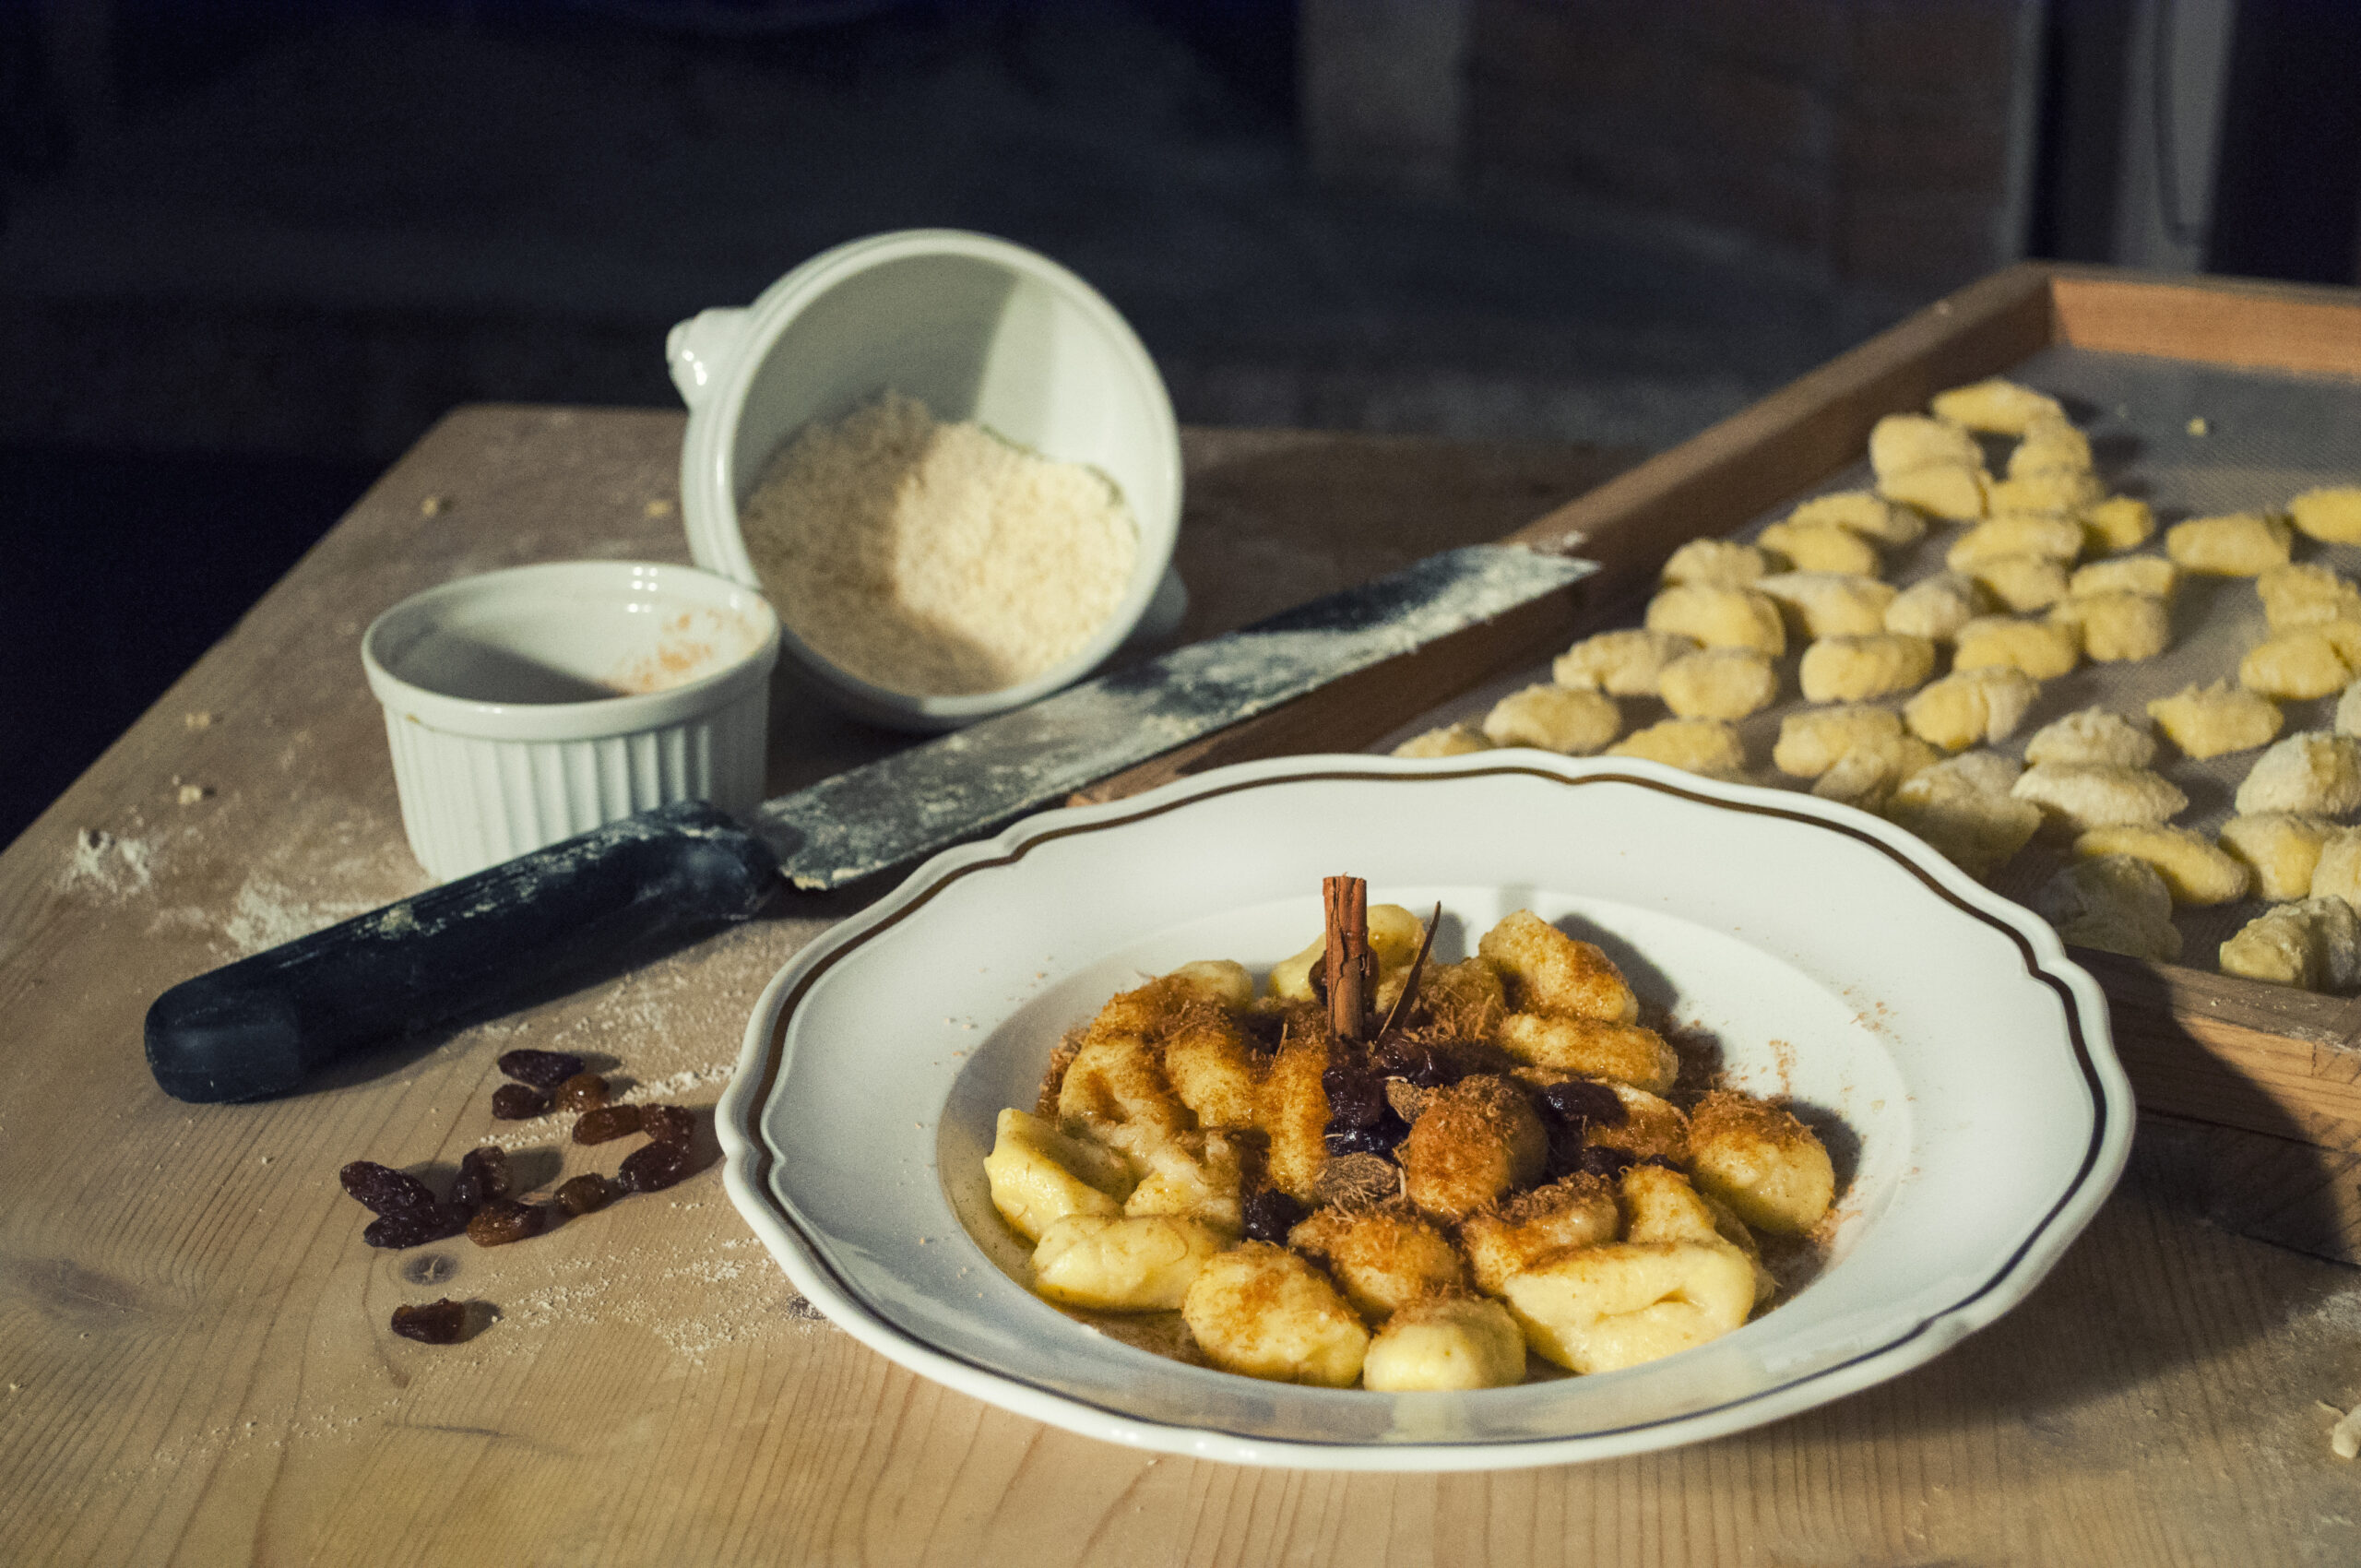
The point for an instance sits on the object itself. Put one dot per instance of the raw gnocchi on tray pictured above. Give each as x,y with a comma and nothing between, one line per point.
2046,578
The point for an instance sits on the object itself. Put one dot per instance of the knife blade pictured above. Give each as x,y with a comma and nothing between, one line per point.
893,811
634,889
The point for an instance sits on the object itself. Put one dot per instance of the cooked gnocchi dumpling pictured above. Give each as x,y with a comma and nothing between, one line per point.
1222,1157
1260,1309
1449,1342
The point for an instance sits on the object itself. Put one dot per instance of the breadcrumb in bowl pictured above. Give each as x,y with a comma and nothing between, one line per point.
877,1063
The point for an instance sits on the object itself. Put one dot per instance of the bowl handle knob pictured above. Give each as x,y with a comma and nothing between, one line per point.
697,349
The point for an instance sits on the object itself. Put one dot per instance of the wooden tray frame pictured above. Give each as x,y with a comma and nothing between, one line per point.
2251,1090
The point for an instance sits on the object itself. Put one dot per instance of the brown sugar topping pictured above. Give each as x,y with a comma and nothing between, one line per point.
1726,1113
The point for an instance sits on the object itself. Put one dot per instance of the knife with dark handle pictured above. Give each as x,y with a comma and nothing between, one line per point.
267,1023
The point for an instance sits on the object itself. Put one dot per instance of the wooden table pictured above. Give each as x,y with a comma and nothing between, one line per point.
195,1363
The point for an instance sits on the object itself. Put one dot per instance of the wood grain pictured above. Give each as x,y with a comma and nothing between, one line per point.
2215,320
193,1360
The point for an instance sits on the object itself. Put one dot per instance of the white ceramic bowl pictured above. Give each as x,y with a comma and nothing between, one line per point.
528,705
1837,958
975,327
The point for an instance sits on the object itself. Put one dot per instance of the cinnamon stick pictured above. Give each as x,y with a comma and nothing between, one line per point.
1347,965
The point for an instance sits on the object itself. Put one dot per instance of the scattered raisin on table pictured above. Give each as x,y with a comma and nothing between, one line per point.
484,1176
381,1189
543,1069
436,1323
667,1124
584,1194
652,1167
504,1220
416,1227
584,1091
519,1102
607,1121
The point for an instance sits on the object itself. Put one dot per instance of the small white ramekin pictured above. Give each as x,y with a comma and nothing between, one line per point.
528,705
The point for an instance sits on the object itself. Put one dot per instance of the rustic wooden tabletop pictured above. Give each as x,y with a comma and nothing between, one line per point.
194,1359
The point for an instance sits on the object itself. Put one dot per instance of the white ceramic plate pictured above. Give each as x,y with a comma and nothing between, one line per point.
1837,958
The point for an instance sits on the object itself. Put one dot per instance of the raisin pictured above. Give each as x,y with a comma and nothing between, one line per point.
1424,1064
416,1227
1565,1149
380,1189
1356,1088
584,1194
543,1069
436,1323
654,1166
1580,1102
606,1123
504,1220
584,1091
1611,1163
519,1102
1379,1138
1270,1215
484,1176
666,1124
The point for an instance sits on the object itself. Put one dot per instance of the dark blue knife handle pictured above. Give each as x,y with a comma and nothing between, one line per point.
633,888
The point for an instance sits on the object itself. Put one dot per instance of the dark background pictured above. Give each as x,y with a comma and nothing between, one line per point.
248,253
